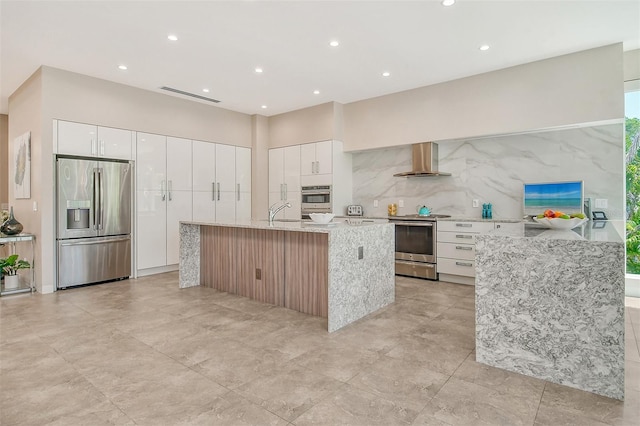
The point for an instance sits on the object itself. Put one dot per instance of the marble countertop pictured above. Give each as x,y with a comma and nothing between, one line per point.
292,225
478,219
603,231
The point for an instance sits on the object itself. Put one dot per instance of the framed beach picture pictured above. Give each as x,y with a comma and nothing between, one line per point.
22,166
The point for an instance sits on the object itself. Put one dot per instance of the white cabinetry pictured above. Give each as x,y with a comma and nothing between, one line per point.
93,141
164,193
284,179
243,183
221,182
316,159
456,250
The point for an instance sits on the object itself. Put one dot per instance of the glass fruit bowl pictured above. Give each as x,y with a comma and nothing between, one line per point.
559,223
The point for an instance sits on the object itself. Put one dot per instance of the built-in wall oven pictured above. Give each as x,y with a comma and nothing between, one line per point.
416,245
315,199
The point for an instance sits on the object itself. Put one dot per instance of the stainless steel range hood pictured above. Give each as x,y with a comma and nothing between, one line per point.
424,161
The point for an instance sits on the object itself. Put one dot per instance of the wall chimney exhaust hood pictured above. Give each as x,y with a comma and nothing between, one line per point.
424,161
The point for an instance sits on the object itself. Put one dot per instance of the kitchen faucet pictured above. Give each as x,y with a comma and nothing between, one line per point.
273,213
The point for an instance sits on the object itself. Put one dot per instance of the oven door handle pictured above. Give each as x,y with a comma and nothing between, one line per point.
416,223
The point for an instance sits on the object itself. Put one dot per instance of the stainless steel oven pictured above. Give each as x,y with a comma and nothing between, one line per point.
315,199
416,245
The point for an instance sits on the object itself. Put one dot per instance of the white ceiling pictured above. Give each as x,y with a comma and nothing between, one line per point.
220,44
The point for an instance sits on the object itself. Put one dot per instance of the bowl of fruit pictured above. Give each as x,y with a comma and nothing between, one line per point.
560,220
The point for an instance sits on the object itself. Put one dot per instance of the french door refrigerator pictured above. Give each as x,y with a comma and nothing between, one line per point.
93,220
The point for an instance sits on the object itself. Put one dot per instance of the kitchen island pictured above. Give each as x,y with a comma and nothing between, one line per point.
550,304
340,271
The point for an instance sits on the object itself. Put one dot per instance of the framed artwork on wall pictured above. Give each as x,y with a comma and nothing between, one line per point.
22,166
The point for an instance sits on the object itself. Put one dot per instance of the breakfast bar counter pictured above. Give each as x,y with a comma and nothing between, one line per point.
550,304
341,271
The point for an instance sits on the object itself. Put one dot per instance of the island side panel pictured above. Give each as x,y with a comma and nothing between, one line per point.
189,267
219,258
552,309
358,287
306,272
261,265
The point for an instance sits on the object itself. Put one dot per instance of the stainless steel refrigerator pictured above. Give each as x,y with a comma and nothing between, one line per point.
93,220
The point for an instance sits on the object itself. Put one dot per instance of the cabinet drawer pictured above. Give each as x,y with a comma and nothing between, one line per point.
456,251
465,268
456,237
455,226
511,226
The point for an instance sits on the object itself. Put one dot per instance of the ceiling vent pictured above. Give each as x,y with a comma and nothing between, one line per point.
193,95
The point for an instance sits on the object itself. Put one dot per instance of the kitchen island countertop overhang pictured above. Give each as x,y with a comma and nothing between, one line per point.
341,271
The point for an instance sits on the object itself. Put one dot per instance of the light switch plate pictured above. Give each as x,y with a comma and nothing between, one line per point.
476,203
375,203
401,203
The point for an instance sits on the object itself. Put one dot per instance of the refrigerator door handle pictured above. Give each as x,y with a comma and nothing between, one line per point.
101,189
95,199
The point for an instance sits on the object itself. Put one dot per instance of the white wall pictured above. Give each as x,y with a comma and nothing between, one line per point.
583,87
4,159
313,124
493,170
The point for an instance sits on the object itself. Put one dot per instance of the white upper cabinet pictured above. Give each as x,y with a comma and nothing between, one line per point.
225,168
243,169
114,143
292,168
93,141
178,164
316,158
151,162
204,166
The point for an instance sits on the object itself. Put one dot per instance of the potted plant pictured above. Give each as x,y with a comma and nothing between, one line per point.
10,267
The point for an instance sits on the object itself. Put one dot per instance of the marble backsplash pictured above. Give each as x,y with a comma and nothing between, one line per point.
493,170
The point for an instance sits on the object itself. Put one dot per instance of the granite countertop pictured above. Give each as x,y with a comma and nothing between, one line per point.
478,219
597,231
290,225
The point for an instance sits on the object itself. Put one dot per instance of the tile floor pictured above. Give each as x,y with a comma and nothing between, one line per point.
145,352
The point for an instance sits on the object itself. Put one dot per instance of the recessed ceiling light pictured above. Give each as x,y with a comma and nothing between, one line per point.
334,43
259,70
122,67
263,107
448,2
205,90
316,92
172,37
386,74
484,47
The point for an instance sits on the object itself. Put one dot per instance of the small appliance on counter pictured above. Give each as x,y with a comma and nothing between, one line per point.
355,210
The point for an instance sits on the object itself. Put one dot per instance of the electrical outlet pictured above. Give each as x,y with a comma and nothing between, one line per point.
258,274
601,203
375,203
361,252
476,203
400,203
35,206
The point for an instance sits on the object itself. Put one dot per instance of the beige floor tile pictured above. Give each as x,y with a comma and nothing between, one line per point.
419,308
351,406
289,392
291,341
444,359
338,361
440,332
498,379
367,336
408,383
553,416
234,364
460,402
227,410
584,404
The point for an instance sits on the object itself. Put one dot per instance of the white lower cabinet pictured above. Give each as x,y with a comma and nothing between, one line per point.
456,249
151,233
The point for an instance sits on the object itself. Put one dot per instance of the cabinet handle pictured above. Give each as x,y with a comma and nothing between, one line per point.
464,236
213,191
170,189
463,248
464,225
464,264
238,186
164,197
286,192
218,191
